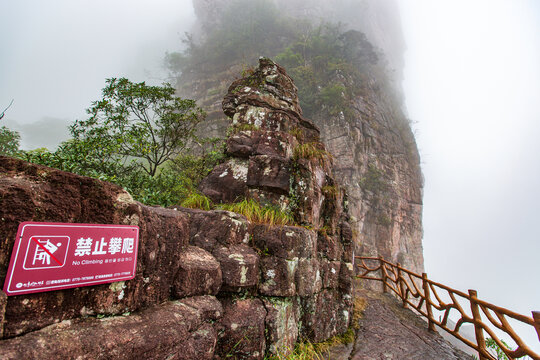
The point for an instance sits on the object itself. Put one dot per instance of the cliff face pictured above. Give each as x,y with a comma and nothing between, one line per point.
376,157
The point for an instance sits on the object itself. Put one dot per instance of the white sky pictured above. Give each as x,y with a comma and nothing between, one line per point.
472,84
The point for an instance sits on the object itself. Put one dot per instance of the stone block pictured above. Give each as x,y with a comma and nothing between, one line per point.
308,277
199,273
241,330
239,266
282,323
226,183
329,247
330,271
321,315
287,242
209,229
208,306
269,172
278,276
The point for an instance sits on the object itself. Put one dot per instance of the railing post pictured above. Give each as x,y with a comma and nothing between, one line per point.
425,285
401,286
383,274
478,331
536,317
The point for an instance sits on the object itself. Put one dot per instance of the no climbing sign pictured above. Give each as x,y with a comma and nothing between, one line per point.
53,256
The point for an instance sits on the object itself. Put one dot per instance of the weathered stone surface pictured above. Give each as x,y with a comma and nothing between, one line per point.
269,172
308,277
239,266
3,302
160,332
278,276
226,183
208,306
209,229
330,271
307,183
199,273
287,242
241,330
329,247
201,345
324,315
281,321
259,142
389,331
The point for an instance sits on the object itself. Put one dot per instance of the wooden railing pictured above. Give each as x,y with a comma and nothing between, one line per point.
426,296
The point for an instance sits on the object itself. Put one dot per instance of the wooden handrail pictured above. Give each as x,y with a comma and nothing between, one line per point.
423,295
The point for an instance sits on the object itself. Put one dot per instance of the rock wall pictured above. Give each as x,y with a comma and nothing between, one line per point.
209,284
375,153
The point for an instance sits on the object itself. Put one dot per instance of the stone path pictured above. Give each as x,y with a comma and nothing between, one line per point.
389,332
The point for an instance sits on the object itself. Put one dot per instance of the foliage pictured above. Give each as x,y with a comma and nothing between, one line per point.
138,124
492,344
302,351
153,124
373,180
9,141
257,213
312,151
495,350
319,61
196,200
236,128
245,30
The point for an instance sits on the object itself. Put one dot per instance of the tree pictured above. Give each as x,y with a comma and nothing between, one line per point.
3,113
138,125
9,141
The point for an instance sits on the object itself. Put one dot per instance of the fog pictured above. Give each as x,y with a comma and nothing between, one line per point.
57,54
472,89
472,84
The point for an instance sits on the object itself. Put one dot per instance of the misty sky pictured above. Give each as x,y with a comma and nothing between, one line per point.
472,86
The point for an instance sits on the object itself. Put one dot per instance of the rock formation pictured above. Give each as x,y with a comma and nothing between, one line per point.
375,153
209,284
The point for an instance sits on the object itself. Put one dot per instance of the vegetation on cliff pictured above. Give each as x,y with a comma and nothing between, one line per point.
327,62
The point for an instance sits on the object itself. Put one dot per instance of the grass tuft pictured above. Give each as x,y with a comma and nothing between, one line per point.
197,201
256,213
312,151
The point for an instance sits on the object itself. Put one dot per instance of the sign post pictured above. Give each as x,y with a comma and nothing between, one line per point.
54,256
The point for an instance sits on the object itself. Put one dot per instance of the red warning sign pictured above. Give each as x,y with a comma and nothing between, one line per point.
52,256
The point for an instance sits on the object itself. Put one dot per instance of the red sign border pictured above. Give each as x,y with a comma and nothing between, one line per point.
18,241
